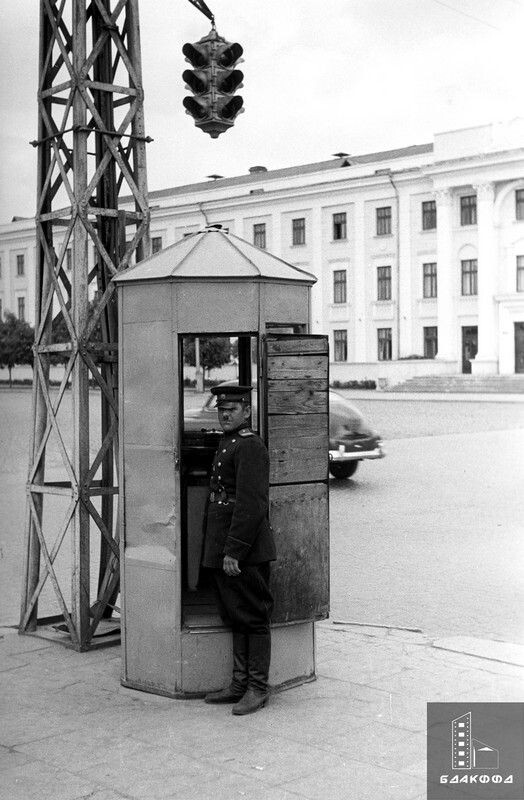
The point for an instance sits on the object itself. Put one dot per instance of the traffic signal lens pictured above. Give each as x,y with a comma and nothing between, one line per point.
230,81
195,55
231,108
196,80
197,109
230,55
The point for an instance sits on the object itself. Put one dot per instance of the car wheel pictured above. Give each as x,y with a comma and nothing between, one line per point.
343,470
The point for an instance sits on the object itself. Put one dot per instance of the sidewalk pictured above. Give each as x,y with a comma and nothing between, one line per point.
446,397
69,730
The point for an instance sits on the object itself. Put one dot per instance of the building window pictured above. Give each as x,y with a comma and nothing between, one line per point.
156,244
520,273
259,235
340,226
341,345
69,259
519,204
469,276
299,230
430,341
468,210
429,215
21,308
383,283
384,344
429,279
383,220
340,286
20,265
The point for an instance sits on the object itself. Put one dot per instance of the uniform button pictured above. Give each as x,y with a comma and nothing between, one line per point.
233,440
224,450
219,463
220,477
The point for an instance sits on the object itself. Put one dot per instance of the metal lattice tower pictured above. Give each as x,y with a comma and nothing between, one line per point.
91,151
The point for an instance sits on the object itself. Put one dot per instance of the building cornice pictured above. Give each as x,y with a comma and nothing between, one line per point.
286,194
471,164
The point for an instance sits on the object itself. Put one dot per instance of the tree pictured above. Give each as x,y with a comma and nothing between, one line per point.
16,342
215,351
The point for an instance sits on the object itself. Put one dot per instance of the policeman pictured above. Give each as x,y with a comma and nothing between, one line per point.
239,547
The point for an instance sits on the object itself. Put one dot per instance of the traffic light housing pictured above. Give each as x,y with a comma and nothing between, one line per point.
213,82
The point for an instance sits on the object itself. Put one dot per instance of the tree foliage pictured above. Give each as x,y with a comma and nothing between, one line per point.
215,351
16,342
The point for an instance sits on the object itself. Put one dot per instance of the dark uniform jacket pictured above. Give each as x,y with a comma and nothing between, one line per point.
237,512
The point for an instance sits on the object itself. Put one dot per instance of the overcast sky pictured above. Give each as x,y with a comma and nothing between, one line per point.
320,77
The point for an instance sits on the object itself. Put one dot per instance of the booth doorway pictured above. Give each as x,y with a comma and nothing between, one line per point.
519,347
469,347
199,435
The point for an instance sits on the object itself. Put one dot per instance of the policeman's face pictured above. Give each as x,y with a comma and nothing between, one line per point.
232,415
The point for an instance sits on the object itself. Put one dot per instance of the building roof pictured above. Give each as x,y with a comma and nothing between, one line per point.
214,253
288,172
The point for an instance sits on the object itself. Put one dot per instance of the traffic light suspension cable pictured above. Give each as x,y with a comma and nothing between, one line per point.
204,9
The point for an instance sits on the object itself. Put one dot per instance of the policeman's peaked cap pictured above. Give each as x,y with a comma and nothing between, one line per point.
232,394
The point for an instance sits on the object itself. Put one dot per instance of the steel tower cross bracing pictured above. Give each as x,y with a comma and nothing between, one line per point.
91,152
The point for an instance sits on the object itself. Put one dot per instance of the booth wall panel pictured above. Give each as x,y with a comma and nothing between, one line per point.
215,307
207,660
296,344
151,628
207,657
298,448
297,395
147,367
145,303
292,653
150,508
300,576
282,367
285,303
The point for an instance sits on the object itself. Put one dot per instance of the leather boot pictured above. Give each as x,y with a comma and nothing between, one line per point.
236,689
257,694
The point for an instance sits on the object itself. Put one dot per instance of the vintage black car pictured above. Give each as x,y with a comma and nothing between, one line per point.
351,439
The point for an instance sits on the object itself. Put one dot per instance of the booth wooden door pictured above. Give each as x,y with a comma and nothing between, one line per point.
295,369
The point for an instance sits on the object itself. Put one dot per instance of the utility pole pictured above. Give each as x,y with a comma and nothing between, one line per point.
91,152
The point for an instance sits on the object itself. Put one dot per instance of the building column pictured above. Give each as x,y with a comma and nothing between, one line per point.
276,233
358,268
317,311
7,274
404,291
447,335
486,360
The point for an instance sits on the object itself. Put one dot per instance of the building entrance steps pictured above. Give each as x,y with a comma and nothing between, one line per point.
474,384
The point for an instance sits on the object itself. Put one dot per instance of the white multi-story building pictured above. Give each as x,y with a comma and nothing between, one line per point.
419,251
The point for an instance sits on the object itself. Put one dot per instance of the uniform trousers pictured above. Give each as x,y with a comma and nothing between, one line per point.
245,601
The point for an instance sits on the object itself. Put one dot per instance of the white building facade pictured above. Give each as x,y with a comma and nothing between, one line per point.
418,252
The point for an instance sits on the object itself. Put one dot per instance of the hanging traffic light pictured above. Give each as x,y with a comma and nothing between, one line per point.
214,81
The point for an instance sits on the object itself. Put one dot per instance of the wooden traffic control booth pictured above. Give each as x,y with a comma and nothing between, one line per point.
213,284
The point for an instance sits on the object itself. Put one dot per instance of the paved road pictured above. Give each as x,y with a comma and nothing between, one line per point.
396,418
431,536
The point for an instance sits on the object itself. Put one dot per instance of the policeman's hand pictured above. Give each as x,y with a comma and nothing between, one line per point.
231,567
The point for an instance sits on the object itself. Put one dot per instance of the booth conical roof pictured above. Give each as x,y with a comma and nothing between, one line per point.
214,253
